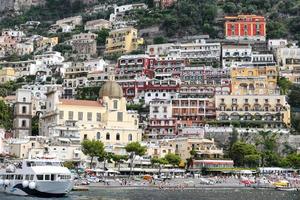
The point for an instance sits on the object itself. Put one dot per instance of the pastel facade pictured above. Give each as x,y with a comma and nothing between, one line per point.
97,25
268,111
22,114
7,74
254,80
245,27
106,120
122,41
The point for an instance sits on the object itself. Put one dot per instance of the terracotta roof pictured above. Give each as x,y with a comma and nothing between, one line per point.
80,102
12,97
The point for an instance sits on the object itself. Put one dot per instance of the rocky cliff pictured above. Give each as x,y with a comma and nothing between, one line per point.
7,6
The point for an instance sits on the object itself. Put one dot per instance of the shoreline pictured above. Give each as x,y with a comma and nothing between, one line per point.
173,187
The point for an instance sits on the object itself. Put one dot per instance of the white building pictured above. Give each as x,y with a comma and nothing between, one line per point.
119,11
50,58
200,50
97,25
273,44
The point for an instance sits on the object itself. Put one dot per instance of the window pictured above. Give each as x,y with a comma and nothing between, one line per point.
118,136
24,99
98,117
116,104
70,115
165,109
47,177
89,116
98,135
130,137
23,123
107,136
61,114
80,116
24,110
120,117
85,136
39,177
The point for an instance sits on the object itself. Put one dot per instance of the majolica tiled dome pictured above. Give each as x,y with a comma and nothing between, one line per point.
111,89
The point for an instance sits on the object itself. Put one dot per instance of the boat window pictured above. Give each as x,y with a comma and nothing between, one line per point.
52,177
47,177
39,177
64,176
10,177
31,177
19,177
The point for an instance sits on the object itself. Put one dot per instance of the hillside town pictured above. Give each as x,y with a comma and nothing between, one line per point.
187,103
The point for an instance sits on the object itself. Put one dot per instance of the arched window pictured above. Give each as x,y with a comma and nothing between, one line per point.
118,136
24,110
107,136
98,135
23,123
130,137
24,99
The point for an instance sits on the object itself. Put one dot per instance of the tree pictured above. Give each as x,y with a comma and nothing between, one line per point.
6,116
134,149
267,142
35,126
284,85
159,40
173,159
159,162
294,96
118,159
102,35
240,150
93,148
252,160
189,163
105,157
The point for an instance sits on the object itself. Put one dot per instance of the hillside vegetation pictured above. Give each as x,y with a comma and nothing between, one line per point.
186,17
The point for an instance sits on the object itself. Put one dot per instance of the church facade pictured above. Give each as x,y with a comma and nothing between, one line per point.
106,120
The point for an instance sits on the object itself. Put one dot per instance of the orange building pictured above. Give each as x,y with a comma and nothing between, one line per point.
245,27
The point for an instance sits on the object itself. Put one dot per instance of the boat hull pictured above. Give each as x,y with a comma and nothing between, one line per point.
42,189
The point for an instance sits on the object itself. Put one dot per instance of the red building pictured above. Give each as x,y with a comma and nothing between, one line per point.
243,27
132,66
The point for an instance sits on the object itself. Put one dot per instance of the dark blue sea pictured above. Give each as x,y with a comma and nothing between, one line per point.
187,194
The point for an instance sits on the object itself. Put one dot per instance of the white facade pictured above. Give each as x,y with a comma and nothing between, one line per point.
197,50
236,55
160,109
288,56
273,44
50,58
22,113
120,10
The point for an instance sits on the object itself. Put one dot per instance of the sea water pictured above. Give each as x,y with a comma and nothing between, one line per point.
171,194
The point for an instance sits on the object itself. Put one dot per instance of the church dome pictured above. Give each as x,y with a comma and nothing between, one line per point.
111,89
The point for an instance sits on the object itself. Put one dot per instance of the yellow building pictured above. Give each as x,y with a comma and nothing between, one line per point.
44,41
254,80
7,74
122,41
261,111
106,119
204,148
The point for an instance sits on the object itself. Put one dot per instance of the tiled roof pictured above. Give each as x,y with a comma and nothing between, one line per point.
72,102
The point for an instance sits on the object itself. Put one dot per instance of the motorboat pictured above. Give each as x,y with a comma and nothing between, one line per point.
36,177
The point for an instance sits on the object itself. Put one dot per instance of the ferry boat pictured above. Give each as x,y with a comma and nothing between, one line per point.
36,177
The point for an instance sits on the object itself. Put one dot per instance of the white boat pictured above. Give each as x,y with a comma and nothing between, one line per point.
37,177
287,189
